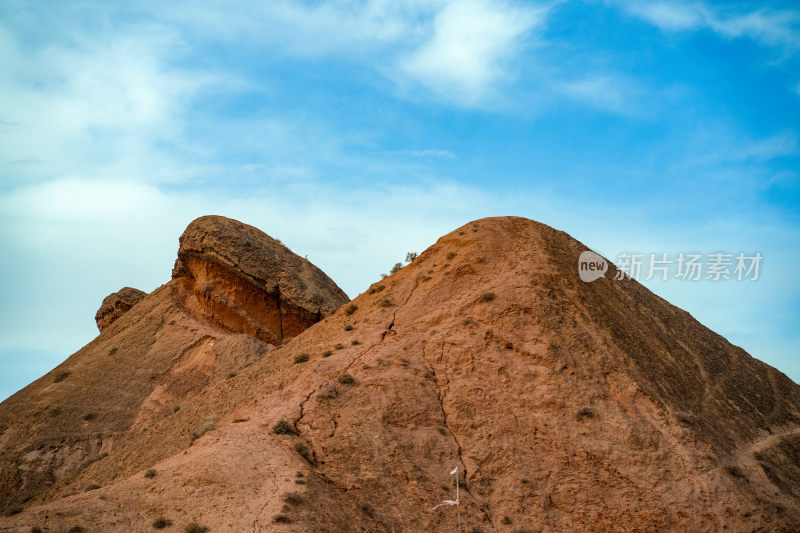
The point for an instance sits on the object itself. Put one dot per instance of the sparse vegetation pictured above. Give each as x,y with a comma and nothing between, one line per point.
161,522
385,303
150,473
194,527
61,376
350,309
301,358
293,498
112,351
476,529
328,392
685,418
240,420
36,529
76,529
367,509
304,450
205,428
93,486
327,353
451,255
89,416
346,379
282,427
506,521
396,268
231,375
348,327
525,481
486,297
410,256
377,288
735,472
586,412
282,518
522,529
355,342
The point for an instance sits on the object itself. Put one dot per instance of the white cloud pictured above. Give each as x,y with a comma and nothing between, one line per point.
780,28
471,43
606,92
100,104
779,145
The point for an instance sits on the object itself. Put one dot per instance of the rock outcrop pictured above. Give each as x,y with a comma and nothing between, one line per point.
243,280
566,406
117,304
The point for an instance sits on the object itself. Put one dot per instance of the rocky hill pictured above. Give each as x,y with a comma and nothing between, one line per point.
247,394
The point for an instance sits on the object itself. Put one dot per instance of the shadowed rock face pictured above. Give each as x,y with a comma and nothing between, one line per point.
243,280
117,304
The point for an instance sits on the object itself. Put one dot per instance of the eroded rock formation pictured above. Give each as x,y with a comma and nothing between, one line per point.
243,280
117,304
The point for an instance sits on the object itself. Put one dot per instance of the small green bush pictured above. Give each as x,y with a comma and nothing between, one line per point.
282,519
377,288
161,522
338,346
194,527
486,297
385,303
350,309
328,392
301,358
282,427
368,509
348,327
150,473
293,498
327,353
61,376
355,342
305,451
93,486
586,412
346,379
89,416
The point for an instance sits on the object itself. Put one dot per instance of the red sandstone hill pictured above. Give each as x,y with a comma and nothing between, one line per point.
247,395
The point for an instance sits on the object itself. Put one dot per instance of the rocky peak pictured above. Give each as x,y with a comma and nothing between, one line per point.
117,304
243,280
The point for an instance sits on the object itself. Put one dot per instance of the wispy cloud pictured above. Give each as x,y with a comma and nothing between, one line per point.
607,92
771,27
92,108
469,47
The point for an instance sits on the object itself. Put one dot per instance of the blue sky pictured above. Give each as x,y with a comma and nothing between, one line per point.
357,131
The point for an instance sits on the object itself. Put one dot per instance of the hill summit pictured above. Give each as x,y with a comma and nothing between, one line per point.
248,394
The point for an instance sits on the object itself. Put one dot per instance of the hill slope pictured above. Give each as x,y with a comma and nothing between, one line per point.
566,406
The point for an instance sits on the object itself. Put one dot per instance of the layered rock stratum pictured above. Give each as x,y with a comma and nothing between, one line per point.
566,406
